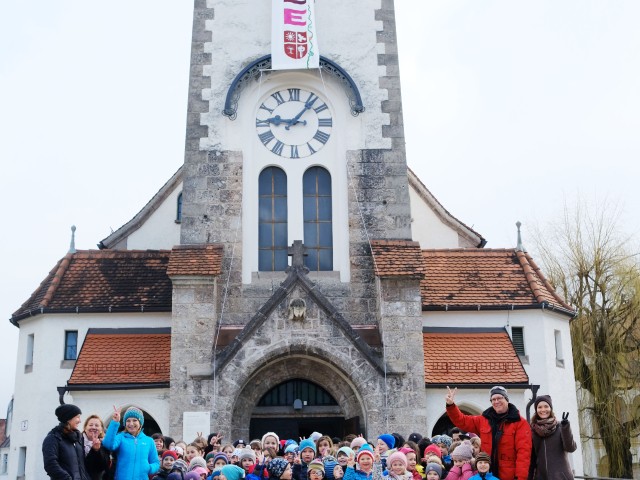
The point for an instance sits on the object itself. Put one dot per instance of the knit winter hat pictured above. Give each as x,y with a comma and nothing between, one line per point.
197,462
307,443
415,437
200,470
364,450
179,450
239,442
434,450
388,439
446,440
433,467
276,467
175,476
180,465
133,412
66,412
237,452
291,448
542,398
406,450
464,451
357,442
170,453
498,390
270,434
247,453
397,457
346,450
315,436
220,456
232,472
330,463
290,442
483,457
191,476
315,465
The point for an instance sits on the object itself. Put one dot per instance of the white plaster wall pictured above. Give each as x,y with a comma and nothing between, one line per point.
427,228
340,24
36,397
538,328
160,231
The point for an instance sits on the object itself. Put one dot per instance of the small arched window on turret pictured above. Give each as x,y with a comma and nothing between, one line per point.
179,208
318,228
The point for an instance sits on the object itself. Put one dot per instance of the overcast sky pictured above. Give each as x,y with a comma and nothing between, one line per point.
509,108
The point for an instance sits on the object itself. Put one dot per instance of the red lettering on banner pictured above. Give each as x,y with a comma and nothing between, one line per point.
294,17
299,2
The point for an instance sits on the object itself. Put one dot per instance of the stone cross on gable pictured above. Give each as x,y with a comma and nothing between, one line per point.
297,251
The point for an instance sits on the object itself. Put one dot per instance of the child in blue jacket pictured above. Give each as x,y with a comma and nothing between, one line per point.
137,455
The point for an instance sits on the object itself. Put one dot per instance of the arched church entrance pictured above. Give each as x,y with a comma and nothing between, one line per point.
297,395
443,426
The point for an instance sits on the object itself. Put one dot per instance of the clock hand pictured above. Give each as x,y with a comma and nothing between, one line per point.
307,106
277,120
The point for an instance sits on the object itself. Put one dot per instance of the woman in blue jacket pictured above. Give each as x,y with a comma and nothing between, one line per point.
137,455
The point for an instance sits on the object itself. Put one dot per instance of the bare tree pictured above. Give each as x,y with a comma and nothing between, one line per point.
591,263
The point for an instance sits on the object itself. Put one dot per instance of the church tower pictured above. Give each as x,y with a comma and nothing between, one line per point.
297,177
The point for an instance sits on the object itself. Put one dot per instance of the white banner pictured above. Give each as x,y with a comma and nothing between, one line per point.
294,43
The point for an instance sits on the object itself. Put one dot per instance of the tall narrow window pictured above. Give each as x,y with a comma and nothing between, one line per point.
70,344
318,230
22,462
179,208
28,363
557,336
272,220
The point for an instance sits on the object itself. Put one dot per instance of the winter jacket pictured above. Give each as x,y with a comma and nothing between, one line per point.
63,455
415,475
137,456
97,463
351,474
460,473
512,454
487,476
550,460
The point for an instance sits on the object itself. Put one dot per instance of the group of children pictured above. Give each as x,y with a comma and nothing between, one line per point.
319,457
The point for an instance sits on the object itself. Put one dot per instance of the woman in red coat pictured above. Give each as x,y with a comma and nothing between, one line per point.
504,434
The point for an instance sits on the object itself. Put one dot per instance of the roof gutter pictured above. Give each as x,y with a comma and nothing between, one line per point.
110,309
108,387
477,308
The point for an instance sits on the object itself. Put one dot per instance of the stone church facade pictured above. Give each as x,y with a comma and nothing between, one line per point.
300,278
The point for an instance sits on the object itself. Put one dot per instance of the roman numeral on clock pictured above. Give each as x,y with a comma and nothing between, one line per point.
294,94
277,148
262,123
321,137
278,98
266,137
321,108
325,122
294,152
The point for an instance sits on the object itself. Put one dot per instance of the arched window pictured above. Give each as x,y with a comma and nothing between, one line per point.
284,394
179,208
318,231
272,220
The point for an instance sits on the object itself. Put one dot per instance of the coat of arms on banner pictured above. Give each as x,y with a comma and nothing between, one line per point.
295,44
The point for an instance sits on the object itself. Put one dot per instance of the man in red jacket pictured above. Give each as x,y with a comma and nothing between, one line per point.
504,434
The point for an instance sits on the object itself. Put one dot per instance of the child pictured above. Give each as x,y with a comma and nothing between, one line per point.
137,456
461,456
247,461
193,450
158,439
433,471
270,440
483,465
168,459
231,472
279,469
412,463
315,470
307,450
397,463
385,445
219,461
365,463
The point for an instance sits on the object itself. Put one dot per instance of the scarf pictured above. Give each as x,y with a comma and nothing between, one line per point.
544,427
87,444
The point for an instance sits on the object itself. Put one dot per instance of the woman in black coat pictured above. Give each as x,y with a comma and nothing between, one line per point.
63,447
552,443
97,458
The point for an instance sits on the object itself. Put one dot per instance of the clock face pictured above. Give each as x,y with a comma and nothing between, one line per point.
293,123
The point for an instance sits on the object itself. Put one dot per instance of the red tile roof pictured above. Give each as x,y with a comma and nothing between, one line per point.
485,278
195,260
104,280
397,258
457,356
122,356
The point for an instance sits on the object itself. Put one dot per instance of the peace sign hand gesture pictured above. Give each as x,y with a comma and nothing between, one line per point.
451,396
565,418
